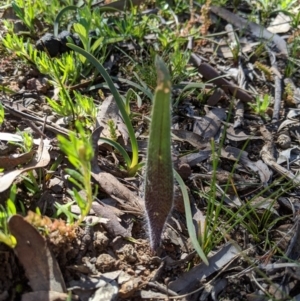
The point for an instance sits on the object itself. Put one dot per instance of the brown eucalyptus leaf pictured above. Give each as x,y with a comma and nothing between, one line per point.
113,225
10,162
190,137
209,125
213,76
236,134
255,29
293,251
217,95
39,263
41,159
114,188
189,280
260,167
195,158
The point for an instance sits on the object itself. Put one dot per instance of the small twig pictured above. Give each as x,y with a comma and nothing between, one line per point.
35,128
278,85
49,125
268,157
162,288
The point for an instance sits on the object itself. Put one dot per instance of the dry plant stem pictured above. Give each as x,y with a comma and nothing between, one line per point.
51,126
278,85
254,29
162,288
212,75
239,114
293,251
110,185
268,157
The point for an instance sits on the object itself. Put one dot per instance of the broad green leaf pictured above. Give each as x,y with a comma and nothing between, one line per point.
159,184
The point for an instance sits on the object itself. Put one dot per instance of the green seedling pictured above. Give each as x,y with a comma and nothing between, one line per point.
27,141
132,164
5,214
83,28
112,130
80,153
261,105
268,7
82,108
65,210
26,13
63,70
26,146
189,219
131,94
295,20
159,182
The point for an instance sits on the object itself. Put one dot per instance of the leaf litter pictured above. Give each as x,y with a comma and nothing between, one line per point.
111,259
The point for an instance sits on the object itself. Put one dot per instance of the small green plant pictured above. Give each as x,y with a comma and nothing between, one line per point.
112,130
26,146
63,70
5,213
295,19
82,108
27,141
83,27
26,13
261,105
80,153
65,210
189,220
30,12
268,7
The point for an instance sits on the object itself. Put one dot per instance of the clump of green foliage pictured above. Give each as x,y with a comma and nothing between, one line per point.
80,152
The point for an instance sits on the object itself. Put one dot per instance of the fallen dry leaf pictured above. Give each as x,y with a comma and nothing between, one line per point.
10,162
187,281
39,263
41,160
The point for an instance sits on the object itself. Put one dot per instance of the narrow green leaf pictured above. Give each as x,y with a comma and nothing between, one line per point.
79,200
189,219
97,44
11,208
119,148
75,174
59,16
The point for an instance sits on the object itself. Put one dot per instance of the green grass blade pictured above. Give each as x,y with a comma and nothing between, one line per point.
119,101
159,181
119,148
189,219
146,90
60,14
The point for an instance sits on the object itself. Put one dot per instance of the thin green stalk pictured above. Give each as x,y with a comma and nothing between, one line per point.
189,219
